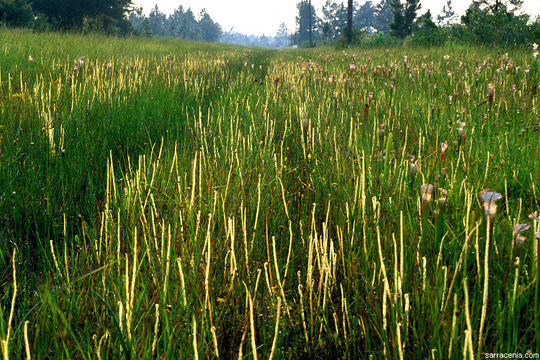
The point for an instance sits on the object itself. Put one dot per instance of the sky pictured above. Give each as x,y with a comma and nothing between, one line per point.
260,17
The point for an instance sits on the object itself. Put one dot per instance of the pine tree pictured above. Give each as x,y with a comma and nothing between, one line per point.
494,6
157,21
382,16
306,14
210,30
310,24
403,17
146,28
364,16
110,14
425,25
349,21
411,9
447,14
397,25
282,34
335,19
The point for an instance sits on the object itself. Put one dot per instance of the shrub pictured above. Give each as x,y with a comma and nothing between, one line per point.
426,32
358,36
501,27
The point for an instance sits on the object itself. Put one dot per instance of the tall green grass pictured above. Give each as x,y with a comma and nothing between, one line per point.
165,199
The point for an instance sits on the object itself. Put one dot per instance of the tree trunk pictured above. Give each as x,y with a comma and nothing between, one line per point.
310,25
349,22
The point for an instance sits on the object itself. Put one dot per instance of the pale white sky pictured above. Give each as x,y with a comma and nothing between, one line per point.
264,16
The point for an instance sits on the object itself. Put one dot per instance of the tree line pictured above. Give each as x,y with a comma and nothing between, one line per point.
117,17
342,22
109,16
331,25
391,21
181,24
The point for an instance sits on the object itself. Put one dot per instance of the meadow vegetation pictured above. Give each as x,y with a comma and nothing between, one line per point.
169,199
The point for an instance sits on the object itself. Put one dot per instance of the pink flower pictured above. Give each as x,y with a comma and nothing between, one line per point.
381,129
444,146
491,91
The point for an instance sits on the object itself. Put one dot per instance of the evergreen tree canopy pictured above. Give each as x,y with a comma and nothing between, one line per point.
382,16
282,34
485,21
180,24
157,21
334,19
210,30
110,15
305,11
411,9
494,6
397,25
447,14
17,12
364,16
403,17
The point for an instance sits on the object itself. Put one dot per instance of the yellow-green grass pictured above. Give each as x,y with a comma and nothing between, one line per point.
173,200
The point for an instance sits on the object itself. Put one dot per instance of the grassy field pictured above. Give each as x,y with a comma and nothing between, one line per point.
165,199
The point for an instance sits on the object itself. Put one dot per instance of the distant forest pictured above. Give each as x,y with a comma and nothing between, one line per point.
181,24
382,22
388,22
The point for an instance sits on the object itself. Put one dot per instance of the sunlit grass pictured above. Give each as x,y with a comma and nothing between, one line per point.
162,199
